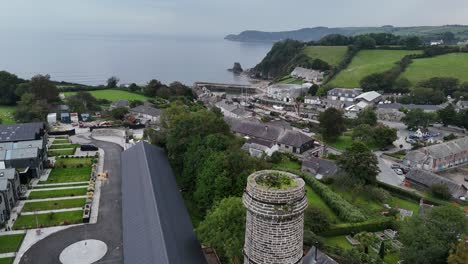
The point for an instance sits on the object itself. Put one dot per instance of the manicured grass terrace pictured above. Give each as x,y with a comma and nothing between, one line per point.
64,146
10,243
61,152
57,193
53,205
50,219
59,175
73,162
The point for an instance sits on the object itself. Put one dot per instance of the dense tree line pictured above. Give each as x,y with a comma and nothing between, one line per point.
8,84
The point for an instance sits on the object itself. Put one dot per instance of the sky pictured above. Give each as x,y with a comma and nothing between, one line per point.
220,17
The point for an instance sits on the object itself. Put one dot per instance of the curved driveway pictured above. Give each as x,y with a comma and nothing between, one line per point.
108,227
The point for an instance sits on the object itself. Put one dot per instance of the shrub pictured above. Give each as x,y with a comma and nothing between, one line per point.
377,194
441,191
316,220
354,228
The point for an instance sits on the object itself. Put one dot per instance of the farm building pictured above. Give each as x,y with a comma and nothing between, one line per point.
344,94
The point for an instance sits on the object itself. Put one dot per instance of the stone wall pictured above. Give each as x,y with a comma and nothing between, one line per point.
275,221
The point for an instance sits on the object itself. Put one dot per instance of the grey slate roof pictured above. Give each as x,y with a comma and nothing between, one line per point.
156,224
345,92
439,151
3,184
294,138
21,132
428,179
322,258
120,103
8,174
397,106
22,144
147,110
27,153
320,166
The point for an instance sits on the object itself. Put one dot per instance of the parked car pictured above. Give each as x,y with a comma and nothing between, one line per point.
88,147
399,171
306,130
466,178
395,166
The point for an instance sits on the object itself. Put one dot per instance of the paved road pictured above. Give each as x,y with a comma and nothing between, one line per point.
387,175
108,228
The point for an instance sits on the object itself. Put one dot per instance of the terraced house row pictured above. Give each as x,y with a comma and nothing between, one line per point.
439,157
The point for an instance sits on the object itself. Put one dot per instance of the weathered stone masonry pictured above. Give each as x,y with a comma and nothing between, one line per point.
275,222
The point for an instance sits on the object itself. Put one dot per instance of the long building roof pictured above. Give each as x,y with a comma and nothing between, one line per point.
156,224
440,151
428,179
21,132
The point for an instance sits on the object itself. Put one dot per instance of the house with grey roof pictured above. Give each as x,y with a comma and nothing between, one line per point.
307,75
156,223
29,156
461,105
368,99
287,92
3,212
146,112
22,132
9,192
424,180
315,256
7,196
344,94
392,111
267,135
439,157
232,109
319,167
119,103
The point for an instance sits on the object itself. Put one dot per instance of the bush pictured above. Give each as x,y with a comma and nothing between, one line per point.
316,220
343,209
377,194
441,191
350,228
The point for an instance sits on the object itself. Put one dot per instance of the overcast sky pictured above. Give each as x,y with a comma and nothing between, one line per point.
220,17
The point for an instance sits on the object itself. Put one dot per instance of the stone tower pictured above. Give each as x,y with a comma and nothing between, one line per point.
275,203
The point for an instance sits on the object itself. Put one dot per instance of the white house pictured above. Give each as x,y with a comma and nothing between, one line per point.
437,42
344,94
146,112
287,92
307,75
312,100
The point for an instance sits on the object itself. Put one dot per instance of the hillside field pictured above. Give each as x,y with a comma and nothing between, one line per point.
6,114
113,95
330,54
450,65
367,62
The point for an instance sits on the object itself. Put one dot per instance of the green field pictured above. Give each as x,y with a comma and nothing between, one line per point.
367,62
330,54
450,65
73,162
59,175
316,201
53,205
10,243
6,260
290,80
60,141
50,219
57,193
113,95
6,114
61,152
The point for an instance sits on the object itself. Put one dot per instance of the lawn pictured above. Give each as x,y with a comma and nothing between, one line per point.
64,146
57,193
338,241
333,55
342,143
61,152
367,62
60,141
10,243
73,162
41,186
113,95
58,175
315,200
6,114
6,260
290,80
50,219
450,65
53,205
405,204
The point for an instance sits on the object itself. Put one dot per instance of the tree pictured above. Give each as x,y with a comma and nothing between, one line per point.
134,88
384,135
366,239
459,253
313,89
382,250
433,235
422,95
112,82
331,124
364,133
412,42
316,220
223,229
417,118
463,119
365,42
8,84
447,85
135,103
31,109
448,115
367,116
152,88
42,88
83,102
401,85
441,191
360,163
119,113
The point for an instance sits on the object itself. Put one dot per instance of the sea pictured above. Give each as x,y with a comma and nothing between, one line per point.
91,59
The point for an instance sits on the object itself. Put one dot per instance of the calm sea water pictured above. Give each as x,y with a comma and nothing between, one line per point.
91,59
